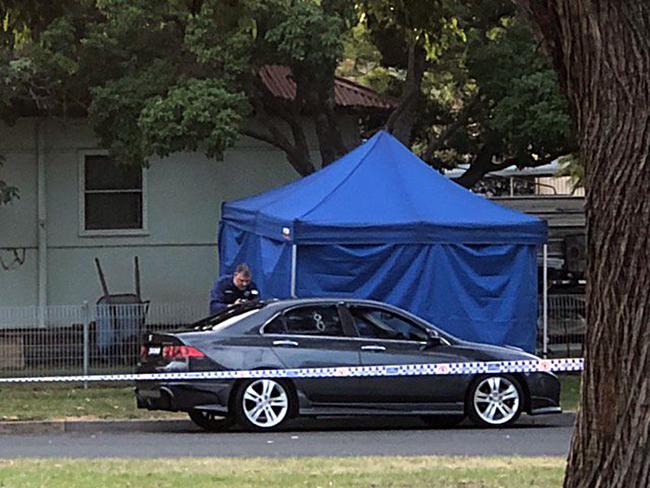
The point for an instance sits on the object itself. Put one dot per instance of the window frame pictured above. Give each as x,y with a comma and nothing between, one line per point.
281,314
407,320
83,232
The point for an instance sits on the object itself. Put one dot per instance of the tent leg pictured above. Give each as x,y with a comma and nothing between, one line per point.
294,258
545,301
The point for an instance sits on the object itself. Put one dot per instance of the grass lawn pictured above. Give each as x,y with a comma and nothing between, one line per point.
57,401
570,392
367,472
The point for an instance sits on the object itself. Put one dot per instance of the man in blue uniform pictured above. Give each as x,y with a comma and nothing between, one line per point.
233,289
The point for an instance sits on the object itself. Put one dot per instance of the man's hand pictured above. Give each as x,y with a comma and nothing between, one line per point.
239,300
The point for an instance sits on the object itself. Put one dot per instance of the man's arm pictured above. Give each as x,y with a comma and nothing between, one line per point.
253,292
217,298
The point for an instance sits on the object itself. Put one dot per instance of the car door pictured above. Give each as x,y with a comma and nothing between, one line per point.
314,336
389,338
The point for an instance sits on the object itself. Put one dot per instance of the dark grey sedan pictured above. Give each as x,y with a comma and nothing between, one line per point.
315,333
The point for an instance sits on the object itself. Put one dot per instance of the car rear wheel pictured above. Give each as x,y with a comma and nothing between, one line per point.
263,404
442,421
495,401
210,421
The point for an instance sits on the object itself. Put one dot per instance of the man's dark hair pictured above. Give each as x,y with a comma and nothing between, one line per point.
243,270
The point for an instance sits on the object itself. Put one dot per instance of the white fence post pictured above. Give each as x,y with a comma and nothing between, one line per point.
86,339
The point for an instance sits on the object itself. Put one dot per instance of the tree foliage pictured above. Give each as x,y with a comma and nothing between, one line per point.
156,78
160,77
487,95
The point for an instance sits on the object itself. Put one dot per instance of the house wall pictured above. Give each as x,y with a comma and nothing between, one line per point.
178,255
557,185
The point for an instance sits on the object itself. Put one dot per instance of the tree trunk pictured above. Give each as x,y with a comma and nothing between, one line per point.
271,112
480,166
315,96
401,121
601,50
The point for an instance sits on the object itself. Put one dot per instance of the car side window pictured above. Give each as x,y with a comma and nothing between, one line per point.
275,326
314,320
379,324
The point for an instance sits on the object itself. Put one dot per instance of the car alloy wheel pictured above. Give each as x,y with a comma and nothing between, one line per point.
263,404
495,401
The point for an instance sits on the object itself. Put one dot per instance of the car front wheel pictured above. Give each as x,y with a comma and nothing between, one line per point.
495,401
263,404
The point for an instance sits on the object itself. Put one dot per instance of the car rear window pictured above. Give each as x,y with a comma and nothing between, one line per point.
233,320
226,318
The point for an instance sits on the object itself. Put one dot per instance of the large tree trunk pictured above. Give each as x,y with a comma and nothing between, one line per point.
401,121
272,113
602,51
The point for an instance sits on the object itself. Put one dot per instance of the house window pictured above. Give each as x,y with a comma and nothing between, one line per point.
112,197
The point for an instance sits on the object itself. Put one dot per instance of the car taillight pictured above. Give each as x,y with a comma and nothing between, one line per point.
181,352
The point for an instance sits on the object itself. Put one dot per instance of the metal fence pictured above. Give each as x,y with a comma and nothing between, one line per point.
74,339
566,327
92,339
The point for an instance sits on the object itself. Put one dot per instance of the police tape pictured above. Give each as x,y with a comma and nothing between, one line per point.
427,369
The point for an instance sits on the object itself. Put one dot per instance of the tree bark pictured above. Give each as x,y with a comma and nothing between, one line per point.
316,95
271,112
401,121
601,49
483,165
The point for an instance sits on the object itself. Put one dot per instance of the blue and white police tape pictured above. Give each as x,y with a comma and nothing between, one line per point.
431,369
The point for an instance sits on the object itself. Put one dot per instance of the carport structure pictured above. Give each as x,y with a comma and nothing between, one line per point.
380,223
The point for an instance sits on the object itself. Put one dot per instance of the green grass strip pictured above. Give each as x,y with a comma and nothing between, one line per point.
59,401
366,472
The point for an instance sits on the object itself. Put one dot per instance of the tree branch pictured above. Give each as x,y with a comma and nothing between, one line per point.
297,152
289,113
400,123
441,141
483,165
261,136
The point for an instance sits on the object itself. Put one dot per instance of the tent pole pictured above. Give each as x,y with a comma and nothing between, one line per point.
545,301
294,257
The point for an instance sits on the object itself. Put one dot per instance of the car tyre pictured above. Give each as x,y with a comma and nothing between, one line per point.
211,421
495,400
263,404
442,421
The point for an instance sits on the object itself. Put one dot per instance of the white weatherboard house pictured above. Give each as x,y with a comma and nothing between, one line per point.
73,208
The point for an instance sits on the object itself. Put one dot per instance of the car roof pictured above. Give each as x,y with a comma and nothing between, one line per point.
289,302
268,308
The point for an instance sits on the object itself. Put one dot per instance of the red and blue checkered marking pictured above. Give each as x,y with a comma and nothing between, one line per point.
430,369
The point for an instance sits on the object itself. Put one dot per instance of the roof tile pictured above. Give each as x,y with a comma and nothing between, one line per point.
347,93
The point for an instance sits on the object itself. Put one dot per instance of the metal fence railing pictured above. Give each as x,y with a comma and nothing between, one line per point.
92,339
83,339
566,327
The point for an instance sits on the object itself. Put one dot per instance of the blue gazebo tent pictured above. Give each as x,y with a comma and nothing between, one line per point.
379,223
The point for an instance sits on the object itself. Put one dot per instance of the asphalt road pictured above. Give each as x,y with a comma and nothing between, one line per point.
340,437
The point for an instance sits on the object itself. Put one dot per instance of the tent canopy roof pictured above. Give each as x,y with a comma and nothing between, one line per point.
380,193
